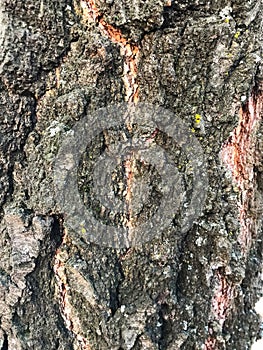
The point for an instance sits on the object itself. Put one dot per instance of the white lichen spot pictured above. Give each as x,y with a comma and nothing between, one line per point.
257,58
123,308
166,270
54,128
243,98
185,325
225,13
199,241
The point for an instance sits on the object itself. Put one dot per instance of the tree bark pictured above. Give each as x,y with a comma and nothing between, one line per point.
61,61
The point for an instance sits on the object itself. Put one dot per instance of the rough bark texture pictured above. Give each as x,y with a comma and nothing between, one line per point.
63,59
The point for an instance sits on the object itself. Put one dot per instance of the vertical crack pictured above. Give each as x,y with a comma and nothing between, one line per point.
5,343
71,321
128,50
129,176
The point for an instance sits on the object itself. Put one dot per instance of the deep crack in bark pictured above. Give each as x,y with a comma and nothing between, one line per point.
128,50
130,53
71,321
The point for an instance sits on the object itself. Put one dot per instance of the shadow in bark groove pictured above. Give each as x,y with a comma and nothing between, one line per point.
39,300
5,344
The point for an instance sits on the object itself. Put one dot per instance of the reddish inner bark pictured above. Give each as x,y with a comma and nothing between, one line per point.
239,153
129,51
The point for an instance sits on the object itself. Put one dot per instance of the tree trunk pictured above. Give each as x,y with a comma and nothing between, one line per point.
189,284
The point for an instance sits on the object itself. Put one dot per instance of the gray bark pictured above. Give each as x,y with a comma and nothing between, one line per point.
59,61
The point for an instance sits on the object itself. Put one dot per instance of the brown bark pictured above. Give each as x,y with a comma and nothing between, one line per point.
61,61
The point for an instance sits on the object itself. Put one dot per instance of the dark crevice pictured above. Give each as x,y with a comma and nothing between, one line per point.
56,234
28,93
41,294
10,182
166,327
5,343
115,301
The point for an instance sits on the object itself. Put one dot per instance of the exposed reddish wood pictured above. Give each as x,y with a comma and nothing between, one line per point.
128,50
238,153
222,298
210,344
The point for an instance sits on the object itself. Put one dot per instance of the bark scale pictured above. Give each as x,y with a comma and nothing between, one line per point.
61,60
